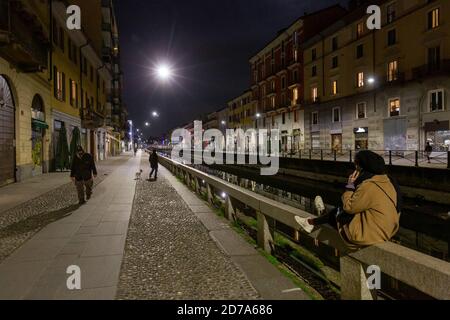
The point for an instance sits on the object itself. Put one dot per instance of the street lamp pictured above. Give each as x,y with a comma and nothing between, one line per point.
147,124
164,72
371,80
155,114
258,115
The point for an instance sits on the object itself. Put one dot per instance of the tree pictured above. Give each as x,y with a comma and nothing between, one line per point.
62,150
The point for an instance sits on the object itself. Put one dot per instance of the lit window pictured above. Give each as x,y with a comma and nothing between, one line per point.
433,19
392,71
359,30
73,93
394,107
361,110
272,101
337,114
360,79
436,98
295,55
314,94
294,96
334,88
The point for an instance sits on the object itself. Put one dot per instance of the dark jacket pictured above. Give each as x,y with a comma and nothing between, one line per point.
83,168
153,160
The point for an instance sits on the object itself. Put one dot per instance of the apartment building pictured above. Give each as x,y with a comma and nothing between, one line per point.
383,89
277,77
25,100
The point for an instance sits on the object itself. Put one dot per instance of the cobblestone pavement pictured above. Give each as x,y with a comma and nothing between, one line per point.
169,254
18,224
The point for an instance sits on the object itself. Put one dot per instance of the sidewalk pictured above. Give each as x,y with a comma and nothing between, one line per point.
18,193
91,237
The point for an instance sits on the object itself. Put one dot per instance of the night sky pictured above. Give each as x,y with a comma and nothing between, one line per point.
207,42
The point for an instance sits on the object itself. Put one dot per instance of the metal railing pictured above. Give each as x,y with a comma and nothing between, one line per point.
424,273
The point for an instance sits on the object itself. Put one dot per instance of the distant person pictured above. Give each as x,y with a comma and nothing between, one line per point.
428,151
154,165
134,151
82,174
370,205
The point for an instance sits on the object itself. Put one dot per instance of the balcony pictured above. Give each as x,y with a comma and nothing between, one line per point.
399,78
425,71
106,54
23,41
92,119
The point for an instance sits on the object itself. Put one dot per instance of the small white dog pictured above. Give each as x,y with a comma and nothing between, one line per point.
138,175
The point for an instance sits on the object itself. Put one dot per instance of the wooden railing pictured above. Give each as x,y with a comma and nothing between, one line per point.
425,273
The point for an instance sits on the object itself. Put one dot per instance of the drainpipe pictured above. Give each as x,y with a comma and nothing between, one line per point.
81,75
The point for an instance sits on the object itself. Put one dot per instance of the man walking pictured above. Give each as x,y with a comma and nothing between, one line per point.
428,151
154,165
83,171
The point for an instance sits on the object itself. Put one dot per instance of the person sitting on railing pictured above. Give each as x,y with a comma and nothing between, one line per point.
371,208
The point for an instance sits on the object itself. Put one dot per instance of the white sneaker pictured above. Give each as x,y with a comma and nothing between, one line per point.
304,224
320,206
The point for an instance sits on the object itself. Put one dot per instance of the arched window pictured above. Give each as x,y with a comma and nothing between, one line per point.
37,108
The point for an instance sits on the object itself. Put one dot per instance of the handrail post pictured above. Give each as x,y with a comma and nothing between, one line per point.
390,157
209,193
229,209
310,154
321,154
335,155
354,284
265,234
351,156
416,153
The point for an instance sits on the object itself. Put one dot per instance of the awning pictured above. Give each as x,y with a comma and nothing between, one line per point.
39,124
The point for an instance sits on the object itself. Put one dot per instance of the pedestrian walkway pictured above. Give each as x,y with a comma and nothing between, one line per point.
18,193
142,240
91,237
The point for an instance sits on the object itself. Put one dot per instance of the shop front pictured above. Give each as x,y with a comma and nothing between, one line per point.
361,138
438,134
38,131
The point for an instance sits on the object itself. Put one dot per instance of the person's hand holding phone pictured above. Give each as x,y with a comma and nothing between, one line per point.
353,177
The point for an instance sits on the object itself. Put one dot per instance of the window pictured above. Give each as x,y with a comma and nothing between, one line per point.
359,51
433,19
334,87
60,86
359,30
313,54
283,83
391,13
392,37
73,93
295,76
294,96
436,100
314,94
296,55
315,118
272,86
272,101
360,79
392,71
314,71
283,117
336,114
334,44
295,116
361,109
335,62
434,58
394,107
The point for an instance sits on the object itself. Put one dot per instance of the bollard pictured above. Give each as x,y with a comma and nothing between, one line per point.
417,158
335,155
321,155
390,157
310,154
351,156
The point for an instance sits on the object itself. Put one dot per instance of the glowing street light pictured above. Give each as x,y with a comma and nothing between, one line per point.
164,72
258,115
155,114
147,124
371,80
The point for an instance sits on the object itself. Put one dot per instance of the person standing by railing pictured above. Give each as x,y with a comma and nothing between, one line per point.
428,151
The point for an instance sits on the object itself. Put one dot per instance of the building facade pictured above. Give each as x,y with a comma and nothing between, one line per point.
277,78
54,79
381,90
25,101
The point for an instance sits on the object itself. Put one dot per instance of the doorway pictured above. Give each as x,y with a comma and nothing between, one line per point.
7,134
